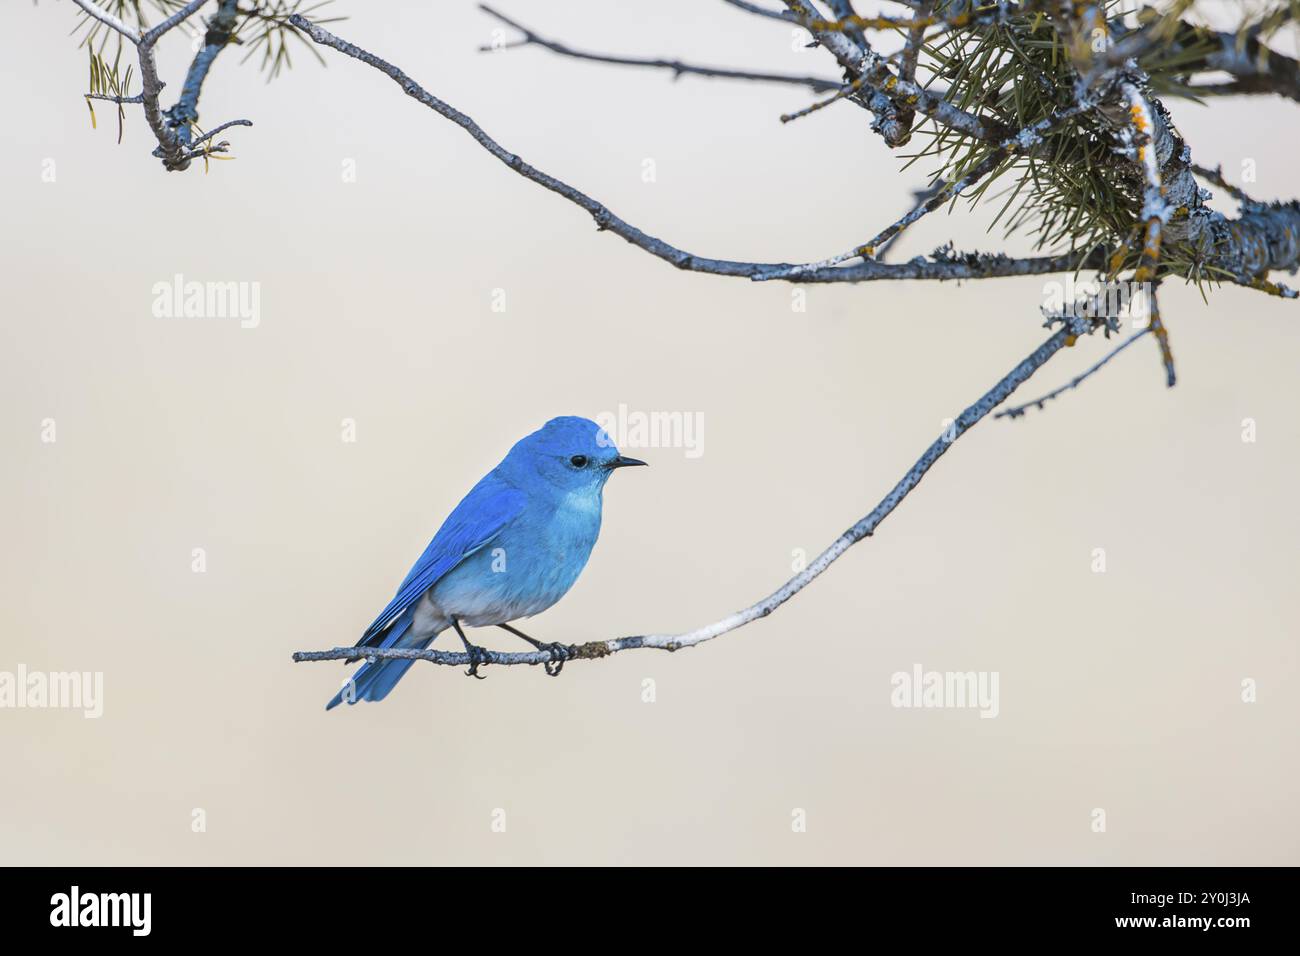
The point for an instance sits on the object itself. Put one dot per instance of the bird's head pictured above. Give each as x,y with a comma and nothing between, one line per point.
573,454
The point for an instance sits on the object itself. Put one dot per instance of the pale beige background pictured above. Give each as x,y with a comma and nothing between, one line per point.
1118,690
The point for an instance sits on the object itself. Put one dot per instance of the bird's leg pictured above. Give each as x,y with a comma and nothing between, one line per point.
477,655
559,653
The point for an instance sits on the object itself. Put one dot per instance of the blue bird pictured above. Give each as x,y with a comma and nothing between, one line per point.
512,548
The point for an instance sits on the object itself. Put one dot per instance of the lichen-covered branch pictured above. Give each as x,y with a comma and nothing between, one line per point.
1264,237
1155,213
1071,329
911,57
871,69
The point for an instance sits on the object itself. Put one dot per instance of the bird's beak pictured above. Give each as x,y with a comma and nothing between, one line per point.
622,461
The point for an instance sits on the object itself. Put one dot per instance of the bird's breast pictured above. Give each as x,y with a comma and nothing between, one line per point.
569,535
527,568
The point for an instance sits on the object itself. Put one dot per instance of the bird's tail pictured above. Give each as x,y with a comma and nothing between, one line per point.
373,681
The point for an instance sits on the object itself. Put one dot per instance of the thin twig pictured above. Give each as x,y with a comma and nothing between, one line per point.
963,423
177,18
922,17
1020,143
224,126
844,92
919,197
531,38
760,11
1260,284
119,100
1038,403
1216,176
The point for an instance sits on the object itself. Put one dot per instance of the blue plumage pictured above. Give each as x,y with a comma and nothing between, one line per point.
512,547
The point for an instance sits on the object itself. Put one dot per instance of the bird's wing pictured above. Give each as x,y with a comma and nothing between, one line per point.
490,506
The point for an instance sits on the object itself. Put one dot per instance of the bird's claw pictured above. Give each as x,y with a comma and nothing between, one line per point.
477,656
558,654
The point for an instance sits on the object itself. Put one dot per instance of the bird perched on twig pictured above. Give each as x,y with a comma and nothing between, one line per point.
512,548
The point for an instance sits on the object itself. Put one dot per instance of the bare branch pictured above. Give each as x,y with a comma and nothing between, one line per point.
224,126
1216,176
919,198
760,11
816,83
180,16
849,90
1071,328
119,100
969,267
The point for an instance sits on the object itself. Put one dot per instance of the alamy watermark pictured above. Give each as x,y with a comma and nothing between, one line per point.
57,690
975,690
179,299
128,910
629,429
1085,299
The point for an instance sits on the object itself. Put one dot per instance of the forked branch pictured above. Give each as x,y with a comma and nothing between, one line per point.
172,128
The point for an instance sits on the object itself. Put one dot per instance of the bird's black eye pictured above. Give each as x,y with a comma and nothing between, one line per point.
578,461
